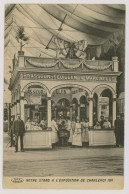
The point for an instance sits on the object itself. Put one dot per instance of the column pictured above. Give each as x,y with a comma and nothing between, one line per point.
79,110
98,110
49,112
113,110
115,64
71,106
22,106
15,109
13,113
91,111
18,106
11,109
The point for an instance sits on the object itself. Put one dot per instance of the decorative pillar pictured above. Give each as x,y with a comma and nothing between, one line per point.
11,107
21,58
71,106
98,110
18,106
15,109
115,64
49,112
113,110
79,110
91,111
22,106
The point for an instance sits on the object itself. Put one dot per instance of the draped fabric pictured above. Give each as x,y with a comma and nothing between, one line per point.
65,47
83,31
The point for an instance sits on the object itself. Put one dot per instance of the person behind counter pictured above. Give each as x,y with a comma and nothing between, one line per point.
19,131
85,135
77,137
97,125
43,124
102,121
54,131
106,124
28,125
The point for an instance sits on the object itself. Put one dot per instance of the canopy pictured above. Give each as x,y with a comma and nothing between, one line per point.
44,23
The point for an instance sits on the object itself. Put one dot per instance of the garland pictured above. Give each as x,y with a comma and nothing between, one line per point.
70,66
97,67
40,64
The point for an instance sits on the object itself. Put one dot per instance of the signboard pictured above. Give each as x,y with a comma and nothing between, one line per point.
35,100
103,101
62,77
36,91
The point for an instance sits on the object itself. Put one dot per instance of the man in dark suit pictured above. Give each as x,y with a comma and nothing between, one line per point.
118,131
19,131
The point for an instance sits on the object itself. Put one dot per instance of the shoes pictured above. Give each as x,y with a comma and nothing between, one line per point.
22,150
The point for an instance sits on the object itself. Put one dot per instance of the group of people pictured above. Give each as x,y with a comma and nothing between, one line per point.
33,125
73,132
104,123
77,132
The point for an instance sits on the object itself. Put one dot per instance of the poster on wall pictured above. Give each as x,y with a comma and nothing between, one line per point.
35,100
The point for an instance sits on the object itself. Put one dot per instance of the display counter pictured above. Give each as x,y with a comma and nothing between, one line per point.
37,139
98,137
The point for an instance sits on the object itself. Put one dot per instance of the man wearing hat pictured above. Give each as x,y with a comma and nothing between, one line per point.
19,131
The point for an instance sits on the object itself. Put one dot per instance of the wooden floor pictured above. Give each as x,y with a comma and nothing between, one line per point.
63,161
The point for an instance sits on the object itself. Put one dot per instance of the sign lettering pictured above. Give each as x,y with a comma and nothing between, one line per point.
93,78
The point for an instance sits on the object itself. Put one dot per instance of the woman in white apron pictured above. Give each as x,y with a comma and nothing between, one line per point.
77,137
69,128
87,131
83,127
54,131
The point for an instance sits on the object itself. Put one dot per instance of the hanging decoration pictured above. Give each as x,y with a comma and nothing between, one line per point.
41,64
71,50
98,67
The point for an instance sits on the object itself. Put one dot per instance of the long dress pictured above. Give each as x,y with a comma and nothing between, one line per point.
77,137
69,128
85,132
54,132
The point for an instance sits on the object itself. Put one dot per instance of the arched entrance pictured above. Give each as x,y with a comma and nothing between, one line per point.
70,102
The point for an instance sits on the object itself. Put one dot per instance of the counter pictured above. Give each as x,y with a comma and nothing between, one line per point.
37,139
98,137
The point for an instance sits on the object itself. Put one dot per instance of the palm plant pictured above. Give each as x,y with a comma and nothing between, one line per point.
21,36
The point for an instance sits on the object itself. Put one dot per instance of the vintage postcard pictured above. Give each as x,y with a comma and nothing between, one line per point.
64,96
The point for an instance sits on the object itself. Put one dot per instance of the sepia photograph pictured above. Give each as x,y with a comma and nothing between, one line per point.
64,96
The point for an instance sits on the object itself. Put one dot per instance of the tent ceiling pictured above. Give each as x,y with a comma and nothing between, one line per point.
94,23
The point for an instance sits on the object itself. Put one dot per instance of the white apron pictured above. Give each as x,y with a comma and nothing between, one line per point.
77,137
54,132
